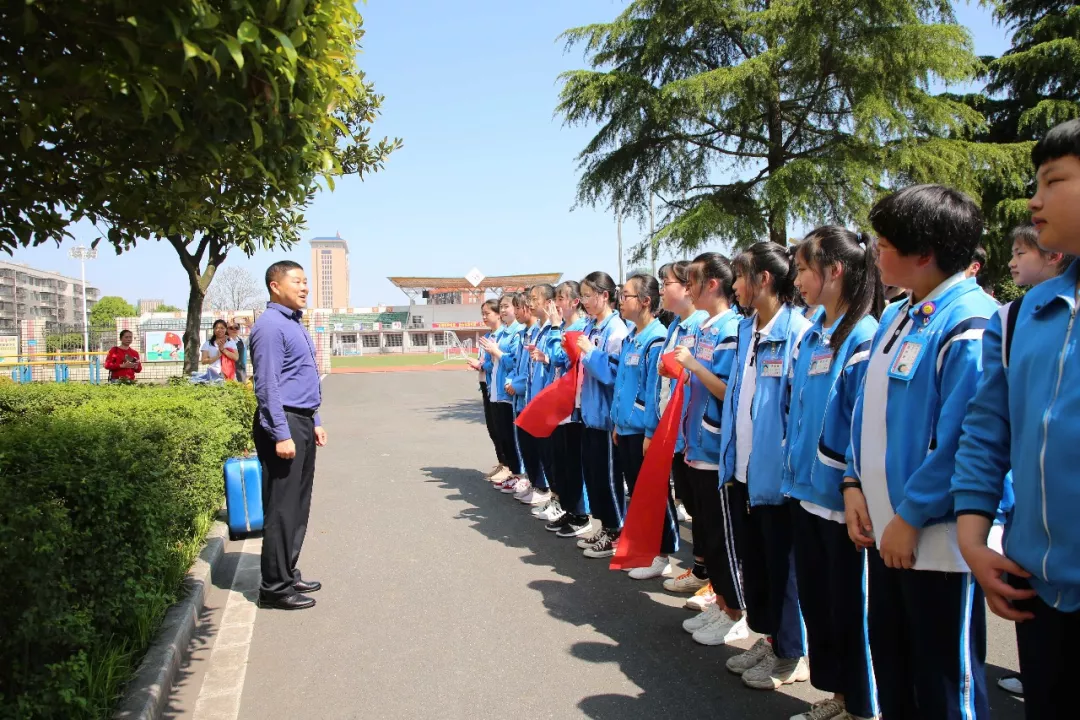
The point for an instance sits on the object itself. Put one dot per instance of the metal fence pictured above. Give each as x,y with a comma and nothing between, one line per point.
70,337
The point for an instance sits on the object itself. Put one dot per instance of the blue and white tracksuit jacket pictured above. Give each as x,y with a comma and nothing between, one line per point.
508,343
637,378
680,332
541,375
1026,416
925,362
600,365
714,346
771,356
561,362
519,376
486,361
824,384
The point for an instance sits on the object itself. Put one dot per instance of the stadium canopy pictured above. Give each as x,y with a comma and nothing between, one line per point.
415,287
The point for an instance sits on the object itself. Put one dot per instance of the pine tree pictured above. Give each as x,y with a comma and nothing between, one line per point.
1030,89
747,115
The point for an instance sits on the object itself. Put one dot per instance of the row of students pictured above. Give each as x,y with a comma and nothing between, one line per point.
846,474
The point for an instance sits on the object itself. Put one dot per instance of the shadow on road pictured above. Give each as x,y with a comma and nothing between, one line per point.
467,410
676,675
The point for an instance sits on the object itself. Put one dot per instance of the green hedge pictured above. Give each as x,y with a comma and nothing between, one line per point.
106,494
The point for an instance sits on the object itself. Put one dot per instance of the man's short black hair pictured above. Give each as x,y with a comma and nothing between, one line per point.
280,268
1061,141
931,219
983,276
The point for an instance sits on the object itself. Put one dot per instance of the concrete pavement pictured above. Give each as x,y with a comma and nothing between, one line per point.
444,599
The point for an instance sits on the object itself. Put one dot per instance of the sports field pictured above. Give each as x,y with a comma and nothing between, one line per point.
390,361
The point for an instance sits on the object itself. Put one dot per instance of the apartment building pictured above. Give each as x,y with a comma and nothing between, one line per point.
328,276
27,293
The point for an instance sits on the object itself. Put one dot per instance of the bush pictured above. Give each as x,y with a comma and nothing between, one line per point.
106,494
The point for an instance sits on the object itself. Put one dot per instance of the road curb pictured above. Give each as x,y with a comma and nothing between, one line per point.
147,694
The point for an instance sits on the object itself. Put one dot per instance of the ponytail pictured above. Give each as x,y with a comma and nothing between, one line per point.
771,258
601,282
862,291
714,266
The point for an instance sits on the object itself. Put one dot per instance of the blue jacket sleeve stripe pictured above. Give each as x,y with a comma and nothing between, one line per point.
970,329
831,458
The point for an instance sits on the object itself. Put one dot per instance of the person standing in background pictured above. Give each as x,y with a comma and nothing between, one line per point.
123,362
287,430
241,351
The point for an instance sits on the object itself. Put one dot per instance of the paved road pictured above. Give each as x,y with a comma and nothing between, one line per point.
444,599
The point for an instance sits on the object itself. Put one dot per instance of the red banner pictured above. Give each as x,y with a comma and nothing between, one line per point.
639,542
556,402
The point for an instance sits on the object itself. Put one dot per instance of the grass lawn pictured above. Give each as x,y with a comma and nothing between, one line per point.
390,360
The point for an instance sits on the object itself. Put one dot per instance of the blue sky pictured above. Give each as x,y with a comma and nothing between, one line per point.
487,176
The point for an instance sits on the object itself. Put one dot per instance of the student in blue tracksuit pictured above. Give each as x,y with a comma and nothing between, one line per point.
503,349
566,440
837,274
517,385
540,375
600,348
675,299
1025,417
754,422
708,360
635,381
489,311
927,617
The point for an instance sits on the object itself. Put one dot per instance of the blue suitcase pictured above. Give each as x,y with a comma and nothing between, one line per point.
243,496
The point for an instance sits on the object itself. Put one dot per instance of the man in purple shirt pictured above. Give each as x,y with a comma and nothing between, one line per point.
287,430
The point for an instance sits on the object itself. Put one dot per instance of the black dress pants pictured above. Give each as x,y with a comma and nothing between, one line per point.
286,488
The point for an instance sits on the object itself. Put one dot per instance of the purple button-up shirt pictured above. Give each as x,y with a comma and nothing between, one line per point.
283,357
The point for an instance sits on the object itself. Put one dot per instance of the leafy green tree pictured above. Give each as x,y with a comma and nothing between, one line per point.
747,115
163,308
1030,89
107,309
207,123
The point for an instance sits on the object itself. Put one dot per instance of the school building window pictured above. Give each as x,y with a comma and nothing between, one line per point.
393,340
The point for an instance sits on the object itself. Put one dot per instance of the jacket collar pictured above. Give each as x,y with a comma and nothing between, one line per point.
779,327
1059,289
942,296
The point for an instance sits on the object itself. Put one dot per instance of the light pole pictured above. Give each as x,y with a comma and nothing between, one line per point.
82,254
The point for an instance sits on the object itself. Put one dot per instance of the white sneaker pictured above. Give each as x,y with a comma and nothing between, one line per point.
702,599
828,709
551,512
536,497
661,567
500,476
692,625
743,662
722,630
680,512
520,487
774,672
688,582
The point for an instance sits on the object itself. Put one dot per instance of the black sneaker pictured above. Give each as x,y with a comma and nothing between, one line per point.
576,527
604,547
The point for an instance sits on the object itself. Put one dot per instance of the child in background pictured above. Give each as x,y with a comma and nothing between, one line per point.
837,273
489,311
600,348
1030,263
545,504
566,440
927,618
503,349
636,379
754,422
1024,419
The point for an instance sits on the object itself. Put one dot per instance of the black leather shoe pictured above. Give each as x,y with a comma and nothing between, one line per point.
295,601
307,586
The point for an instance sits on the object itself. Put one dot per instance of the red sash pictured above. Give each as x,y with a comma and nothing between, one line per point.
556,402
639,542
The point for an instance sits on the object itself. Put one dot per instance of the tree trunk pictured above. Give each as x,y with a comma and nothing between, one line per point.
777,211
198,283
618,233
652,232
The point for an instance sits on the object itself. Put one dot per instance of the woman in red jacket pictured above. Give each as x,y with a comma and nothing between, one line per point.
122,362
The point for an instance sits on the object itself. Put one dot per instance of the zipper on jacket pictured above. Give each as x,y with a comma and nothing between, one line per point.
1046,430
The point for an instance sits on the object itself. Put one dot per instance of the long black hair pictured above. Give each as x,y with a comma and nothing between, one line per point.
714,266
774,259
861,289
601,282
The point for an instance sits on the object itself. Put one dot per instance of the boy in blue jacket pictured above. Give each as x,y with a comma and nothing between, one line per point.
1026,417
927,620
